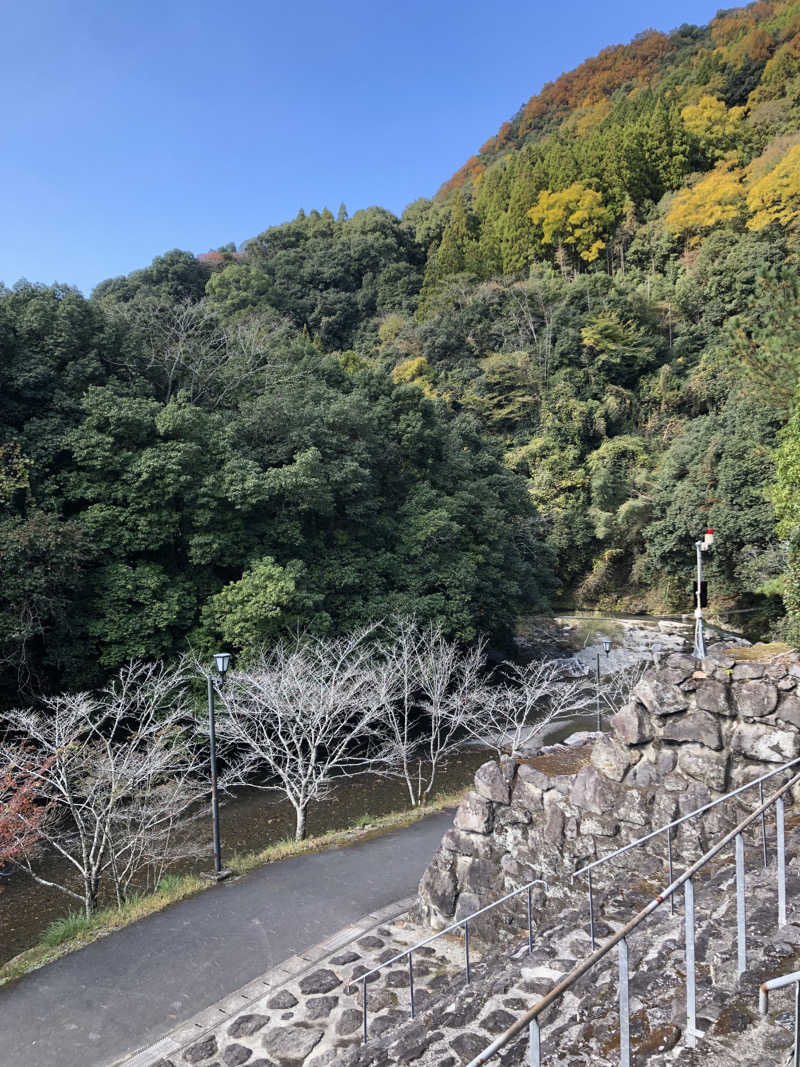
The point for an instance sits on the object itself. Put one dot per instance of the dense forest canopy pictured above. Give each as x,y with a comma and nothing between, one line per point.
537,387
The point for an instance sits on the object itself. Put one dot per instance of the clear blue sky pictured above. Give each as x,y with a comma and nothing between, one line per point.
133,128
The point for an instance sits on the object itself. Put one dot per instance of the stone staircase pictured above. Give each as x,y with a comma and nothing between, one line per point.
583,1028
315,1019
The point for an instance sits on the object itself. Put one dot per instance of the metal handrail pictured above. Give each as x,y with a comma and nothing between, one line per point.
531,1017
763,1005
362,978
685,818
667,829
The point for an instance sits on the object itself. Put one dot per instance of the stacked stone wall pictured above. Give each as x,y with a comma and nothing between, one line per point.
690,733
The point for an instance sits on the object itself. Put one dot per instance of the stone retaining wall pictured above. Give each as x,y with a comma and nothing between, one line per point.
691,733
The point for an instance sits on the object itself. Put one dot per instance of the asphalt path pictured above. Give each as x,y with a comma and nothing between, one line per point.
127,990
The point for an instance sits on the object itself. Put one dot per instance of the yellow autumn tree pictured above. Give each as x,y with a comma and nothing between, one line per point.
575,216
715,126
717,198
416,371
776,196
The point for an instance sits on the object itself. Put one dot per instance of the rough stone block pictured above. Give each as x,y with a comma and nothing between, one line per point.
321,981
635,806
632,724
762,742
511,816
756,699
611,758
466,844
599,826
349,1021
553,829
282,1001
533,776
699,726
644,773
594,793
201,1050
665,808
247,1025
744,672
660,697
678,661
474,814
475,876
789,708
715,660
714,696
236,1055
468,904
491,783
527,792
665,759
438,887
290,1045
705,766
320,1007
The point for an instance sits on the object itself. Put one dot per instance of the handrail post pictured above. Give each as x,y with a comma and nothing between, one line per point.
796,1060
411,982
741,916
624,1007
781,835
466,949
763,823
530,920
691,1007
364,1007
535,1045
671,875
591,913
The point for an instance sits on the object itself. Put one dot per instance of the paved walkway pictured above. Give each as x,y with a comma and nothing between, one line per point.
125,991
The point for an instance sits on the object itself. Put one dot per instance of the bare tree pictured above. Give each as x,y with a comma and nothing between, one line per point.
118,773
304,715
617,687
433,695
534,696
186,347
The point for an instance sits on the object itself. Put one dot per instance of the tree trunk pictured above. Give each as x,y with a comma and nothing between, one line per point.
91,889
300,827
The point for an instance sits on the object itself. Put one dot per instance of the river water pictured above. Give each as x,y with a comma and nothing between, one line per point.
254,819
249,822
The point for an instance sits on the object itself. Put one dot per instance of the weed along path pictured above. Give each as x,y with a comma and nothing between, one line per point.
120,993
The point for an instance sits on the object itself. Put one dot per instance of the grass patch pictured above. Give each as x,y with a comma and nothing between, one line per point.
757,653
169,883
65,929
75,930
364,827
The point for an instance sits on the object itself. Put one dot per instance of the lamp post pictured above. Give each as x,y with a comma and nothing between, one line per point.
606,649
701,547
221,659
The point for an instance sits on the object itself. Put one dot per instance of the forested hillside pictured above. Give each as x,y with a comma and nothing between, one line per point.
539,386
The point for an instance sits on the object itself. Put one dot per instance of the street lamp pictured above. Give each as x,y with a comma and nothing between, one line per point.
700,594
221,659
606,649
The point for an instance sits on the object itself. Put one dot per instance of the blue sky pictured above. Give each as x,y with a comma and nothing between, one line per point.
130,129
